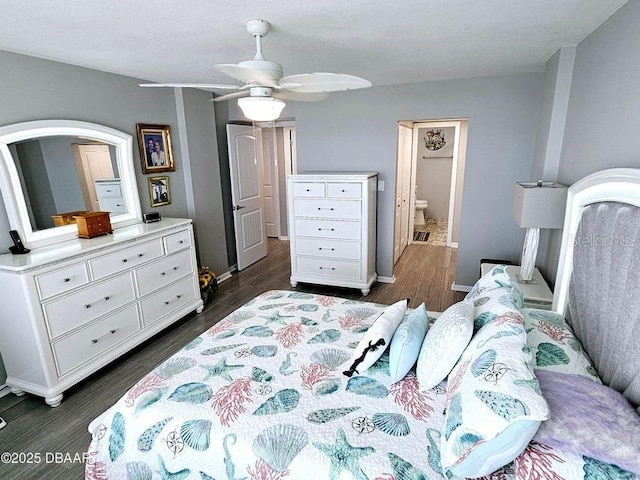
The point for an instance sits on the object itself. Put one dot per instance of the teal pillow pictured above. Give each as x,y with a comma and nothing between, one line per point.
406,343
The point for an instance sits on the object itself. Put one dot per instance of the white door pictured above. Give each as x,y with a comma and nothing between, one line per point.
270,182
245,163
403,190
397,224
407,135
93,162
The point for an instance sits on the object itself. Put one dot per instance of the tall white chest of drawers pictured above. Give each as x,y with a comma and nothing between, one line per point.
70,308
332,229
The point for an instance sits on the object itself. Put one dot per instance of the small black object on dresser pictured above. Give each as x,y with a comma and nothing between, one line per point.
151,217
18,247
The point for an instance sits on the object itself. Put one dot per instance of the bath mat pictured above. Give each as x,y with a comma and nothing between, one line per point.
420,236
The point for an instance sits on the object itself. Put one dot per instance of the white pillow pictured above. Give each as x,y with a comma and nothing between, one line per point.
445,341
376,339
494,405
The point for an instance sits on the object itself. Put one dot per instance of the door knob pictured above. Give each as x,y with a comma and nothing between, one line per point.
237,207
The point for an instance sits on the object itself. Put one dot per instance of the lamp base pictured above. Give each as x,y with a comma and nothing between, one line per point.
529,252
526,282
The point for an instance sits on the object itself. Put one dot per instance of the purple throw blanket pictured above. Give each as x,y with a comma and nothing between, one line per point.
589,419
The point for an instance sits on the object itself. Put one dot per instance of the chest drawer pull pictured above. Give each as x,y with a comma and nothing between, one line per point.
66,280
111,332
327,229
169,271
325,268
89,305
325,248
325,208
169,302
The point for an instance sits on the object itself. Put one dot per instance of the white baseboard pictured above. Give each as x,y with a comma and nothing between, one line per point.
460,288
283,237
4,390
386,279
454,245
224,276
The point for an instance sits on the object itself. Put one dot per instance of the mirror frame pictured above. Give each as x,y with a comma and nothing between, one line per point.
11,187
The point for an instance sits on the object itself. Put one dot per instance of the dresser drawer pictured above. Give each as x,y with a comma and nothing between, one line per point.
125,259
308,189
348,209
328,229
113,205
108,189
177,241
154,276
169,299
74,350
62,280
328,248
74,310
344,190
328,268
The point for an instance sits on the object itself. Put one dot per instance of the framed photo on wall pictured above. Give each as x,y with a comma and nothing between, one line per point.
159,193
155,148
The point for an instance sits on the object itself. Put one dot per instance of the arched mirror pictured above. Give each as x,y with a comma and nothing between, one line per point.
53,169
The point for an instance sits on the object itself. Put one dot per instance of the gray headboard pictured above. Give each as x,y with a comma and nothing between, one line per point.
604,293
601,298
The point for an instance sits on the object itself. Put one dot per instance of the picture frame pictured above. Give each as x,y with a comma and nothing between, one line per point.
154,142
159,192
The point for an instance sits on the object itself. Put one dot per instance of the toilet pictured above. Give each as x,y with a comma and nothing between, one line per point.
421,205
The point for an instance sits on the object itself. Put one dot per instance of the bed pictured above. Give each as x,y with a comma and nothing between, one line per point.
262,395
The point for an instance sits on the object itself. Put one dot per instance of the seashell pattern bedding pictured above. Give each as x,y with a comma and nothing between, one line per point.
261,396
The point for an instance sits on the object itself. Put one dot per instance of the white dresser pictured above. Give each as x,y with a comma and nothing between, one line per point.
110,197
70,308
332,229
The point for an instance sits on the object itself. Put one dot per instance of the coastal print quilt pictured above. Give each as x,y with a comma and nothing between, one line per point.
261,396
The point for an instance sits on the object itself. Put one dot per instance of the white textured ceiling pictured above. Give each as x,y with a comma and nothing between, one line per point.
384,41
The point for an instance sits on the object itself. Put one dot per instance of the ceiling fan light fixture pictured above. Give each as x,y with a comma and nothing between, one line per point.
261,109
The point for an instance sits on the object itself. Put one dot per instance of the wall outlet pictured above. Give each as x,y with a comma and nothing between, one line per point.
381,185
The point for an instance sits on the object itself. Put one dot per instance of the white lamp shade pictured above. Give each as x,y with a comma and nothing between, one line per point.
261,109
536,206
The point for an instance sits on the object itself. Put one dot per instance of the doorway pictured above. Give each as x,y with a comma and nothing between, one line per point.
429,183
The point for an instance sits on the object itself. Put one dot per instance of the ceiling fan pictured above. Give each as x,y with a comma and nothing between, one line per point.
263,84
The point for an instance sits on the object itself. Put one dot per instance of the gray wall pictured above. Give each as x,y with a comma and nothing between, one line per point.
205,180
61,170
604,106
36,183
357,131
36,89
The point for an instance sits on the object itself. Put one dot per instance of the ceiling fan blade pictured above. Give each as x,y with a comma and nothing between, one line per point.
212,86
247,74
322,82
300,96
230,96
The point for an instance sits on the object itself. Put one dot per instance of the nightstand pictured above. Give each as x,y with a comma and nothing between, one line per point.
537,293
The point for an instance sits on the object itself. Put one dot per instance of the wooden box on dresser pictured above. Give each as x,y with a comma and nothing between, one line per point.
70,308
332,228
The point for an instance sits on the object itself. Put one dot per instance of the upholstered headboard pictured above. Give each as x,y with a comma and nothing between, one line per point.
598,283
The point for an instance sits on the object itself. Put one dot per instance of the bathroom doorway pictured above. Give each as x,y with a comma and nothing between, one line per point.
429,182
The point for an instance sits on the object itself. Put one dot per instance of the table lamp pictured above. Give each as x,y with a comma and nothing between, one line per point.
537,205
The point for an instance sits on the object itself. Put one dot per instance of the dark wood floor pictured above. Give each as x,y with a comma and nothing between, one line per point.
423,273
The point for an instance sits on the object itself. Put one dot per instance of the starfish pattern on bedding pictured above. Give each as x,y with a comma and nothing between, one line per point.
275,317
344,456
220,369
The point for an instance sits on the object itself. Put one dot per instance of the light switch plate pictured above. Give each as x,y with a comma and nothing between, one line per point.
381,185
